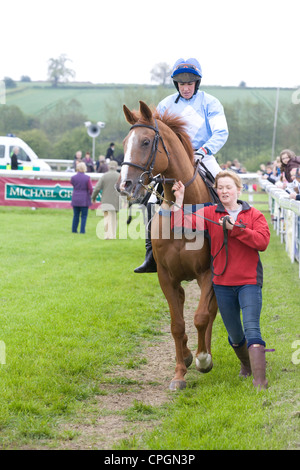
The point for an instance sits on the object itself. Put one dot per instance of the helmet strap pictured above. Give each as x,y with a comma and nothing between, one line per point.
197,85
178,98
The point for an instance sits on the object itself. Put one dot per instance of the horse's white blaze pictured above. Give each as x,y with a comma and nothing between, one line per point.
127,157
203,361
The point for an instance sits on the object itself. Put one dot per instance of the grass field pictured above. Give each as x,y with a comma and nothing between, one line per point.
34,98
71,309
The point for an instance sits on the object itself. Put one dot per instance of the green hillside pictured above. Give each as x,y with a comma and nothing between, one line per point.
37,97
51,120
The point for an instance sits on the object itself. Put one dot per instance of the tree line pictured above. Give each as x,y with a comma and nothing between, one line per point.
59,132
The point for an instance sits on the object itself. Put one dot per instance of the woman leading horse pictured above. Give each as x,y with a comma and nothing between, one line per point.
237,269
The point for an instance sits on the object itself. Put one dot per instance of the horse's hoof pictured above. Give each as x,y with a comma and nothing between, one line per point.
188,360
177,385
204,363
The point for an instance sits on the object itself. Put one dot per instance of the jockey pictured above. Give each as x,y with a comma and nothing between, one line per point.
204,115
206,126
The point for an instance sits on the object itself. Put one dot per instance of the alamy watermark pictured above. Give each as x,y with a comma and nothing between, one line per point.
296,354
2,353
296,96
169,227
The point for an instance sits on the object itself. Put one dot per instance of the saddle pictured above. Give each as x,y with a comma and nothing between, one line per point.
209,181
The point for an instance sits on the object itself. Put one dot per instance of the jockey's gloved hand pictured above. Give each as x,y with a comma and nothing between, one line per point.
201,152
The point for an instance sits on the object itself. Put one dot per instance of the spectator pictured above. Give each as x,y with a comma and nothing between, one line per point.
14,158
276,167
77,159
101,165
237,280
282,182
288,161
89,162
295,176
81,197
269,174
262,169
109,199
110,152
236,166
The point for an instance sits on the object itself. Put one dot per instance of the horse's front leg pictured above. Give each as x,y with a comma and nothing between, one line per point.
203,320
175,297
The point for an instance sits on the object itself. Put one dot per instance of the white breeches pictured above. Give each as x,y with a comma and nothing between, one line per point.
211,164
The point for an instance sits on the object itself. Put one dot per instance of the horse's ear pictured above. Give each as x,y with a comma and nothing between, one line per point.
146,112
130,116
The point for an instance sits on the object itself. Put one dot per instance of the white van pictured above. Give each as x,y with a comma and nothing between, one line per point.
27,158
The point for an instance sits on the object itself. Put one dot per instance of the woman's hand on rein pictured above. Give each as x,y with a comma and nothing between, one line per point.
229,224
178,190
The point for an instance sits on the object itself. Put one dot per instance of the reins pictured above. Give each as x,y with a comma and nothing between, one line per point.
224,244
147,170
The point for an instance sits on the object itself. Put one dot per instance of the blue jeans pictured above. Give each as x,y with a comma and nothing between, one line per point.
232,299
76,215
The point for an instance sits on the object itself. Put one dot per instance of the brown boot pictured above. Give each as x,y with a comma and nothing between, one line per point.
258,365
243,356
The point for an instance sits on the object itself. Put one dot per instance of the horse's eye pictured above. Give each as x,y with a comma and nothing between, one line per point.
146,142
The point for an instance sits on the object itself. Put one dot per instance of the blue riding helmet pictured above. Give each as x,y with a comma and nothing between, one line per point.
185,71
190,66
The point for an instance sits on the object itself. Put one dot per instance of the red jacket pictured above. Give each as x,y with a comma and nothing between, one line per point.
244,265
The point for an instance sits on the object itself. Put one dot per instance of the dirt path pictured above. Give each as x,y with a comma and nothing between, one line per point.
148,384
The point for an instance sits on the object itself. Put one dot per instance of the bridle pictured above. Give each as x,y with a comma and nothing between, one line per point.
148,167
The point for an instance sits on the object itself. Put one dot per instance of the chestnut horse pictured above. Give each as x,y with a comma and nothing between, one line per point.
158,145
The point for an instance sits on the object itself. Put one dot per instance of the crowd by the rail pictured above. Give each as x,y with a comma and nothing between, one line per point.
284,172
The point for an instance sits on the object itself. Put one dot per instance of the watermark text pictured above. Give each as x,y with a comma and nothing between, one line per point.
296,354
134,223
2,353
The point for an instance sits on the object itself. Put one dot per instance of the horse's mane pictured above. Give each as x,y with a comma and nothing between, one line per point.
177,125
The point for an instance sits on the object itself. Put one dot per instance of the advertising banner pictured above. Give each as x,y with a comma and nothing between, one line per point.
38,193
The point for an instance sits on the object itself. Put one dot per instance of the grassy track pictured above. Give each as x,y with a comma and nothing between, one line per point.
71,309
221,411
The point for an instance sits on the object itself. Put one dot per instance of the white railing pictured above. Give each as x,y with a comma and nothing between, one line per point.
59,165
285,213
52,175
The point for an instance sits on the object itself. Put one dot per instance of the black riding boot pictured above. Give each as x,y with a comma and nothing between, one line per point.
149,265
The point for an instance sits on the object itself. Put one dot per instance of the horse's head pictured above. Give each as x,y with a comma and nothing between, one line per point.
145,154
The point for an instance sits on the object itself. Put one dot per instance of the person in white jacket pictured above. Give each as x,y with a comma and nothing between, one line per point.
204,115
206,126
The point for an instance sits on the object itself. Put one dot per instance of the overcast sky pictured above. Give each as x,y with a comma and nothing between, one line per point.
119,41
